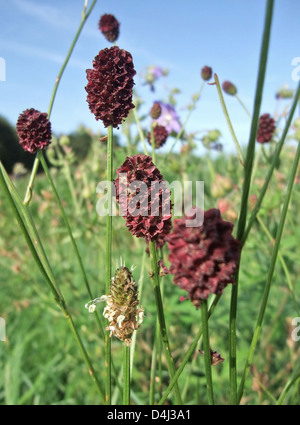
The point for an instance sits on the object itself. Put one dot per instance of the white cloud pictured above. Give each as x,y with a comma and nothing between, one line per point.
33,51
45,13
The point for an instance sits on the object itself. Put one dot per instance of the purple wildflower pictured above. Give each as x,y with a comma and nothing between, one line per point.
153,73
169,118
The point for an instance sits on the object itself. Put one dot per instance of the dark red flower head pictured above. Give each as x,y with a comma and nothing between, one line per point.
160,134
206,73
144,198
203,259
266,128
34,130
110,83
229,88
110,27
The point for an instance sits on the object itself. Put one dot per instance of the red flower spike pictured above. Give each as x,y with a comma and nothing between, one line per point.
203,259
34,130
110,83
266,128
160,134
148,219
110,27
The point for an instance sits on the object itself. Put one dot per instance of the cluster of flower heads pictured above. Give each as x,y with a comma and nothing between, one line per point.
110,27
266,128
203,259
34,130
110,84
122,310
143,197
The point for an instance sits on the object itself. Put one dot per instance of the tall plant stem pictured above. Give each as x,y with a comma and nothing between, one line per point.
126,375
207,355
270,272
196,98
243,105
272,166
152,141
234,138
161,317
34,244
108,262
188,354
41,158
245,192
140,130
84,15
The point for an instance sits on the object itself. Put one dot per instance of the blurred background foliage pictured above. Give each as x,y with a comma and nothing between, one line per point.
39,360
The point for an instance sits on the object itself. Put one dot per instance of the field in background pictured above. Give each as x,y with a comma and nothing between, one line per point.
39,361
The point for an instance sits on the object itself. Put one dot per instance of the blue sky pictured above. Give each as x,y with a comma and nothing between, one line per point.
180,36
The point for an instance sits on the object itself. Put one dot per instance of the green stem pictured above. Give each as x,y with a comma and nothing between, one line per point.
186,121
234,138
152,142
38,254
141,133
108,262
153,365
272,166
84,17
245,192
41,158
161,317
243,105
189,353
270,272
283,264
207,355
126,375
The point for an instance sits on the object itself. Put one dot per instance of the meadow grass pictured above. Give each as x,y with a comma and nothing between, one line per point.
40,361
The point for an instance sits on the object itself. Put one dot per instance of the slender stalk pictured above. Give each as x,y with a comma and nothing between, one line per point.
108,262
126,375
283,264
245,192
152,141
288,385
234,138
207,355
84,16
20,211
153,366
270,272
196,98
272,166
161,317
243,105
141,133
67,224
189,353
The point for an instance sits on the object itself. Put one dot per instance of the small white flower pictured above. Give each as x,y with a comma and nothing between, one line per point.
92,308
141,317
120,319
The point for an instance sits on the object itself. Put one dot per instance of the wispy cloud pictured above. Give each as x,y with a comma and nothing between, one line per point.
33,51
45,13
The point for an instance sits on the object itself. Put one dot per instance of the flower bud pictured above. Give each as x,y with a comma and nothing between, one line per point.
229,88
